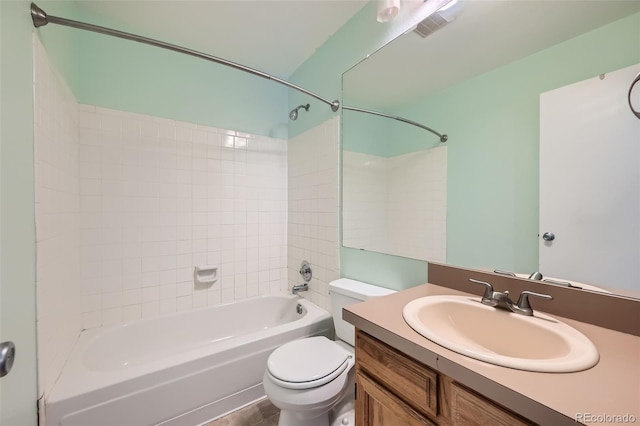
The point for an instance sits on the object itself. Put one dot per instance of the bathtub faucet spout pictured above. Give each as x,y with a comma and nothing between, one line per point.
299,287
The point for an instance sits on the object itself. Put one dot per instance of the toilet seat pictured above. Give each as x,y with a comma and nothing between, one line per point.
307,363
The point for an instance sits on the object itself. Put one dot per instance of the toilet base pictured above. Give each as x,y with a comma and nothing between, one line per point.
292,418
343,414
345,419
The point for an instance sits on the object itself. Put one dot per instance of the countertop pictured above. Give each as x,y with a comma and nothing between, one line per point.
610,388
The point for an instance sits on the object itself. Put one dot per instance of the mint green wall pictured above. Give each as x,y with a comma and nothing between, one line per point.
62,43
120,74
493,126
492,122
18,390
133,77
384,137
366,133
385,270
322,73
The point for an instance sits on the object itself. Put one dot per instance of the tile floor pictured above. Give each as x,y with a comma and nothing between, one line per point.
262,413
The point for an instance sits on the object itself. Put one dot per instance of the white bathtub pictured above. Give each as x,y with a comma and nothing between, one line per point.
183,369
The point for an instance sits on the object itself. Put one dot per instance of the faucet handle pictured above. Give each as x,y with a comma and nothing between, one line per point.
305,271
523,300
488,289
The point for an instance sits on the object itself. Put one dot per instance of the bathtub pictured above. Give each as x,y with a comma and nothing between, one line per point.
182,369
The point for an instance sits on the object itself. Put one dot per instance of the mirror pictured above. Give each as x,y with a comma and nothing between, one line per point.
474,200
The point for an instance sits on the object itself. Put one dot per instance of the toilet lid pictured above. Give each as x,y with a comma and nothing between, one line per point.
308,362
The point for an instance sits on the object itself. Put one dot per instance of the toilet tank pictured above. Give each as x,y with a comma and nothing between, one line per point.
345,292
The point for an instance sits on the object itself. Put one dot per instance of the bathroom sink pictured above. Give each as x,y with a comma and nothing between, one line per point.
532,343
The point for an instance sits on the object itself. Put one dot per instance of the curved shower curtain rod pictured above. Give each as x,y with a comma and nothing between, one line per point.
40,18
443,138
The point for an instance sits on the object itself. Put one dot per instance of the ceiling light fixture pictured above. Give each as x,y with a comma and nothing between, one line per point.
387,10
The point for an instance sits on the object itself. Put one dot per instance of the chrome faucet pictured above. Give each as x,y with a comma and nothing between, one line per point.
501,300
299,287
536,276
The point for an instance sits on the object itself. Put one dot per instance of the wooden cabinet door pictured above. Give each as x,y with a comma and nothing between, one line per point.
470,409
375,406
401,375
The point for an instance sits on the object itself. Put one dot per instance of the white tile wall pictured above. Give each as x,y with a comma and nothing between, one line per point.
159,197
417,204
406,194
364,209
57,205
314,190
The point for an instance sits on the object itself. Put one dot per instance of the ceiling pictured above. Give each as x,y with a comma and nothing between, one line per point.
274,36
486,34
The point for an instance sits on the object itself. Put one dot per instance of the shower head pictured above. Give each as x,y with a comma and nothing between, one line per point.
294,112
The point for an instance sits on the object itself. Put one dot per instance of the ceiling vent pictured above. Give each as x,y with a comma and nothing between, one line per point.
437,20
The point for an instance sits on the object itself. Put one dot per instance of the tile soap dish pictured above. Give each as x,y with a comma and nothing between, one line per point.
205,275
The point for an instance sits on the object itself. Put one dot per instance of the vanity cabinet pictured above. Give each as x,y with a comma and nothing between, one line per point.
394,389
377,406
469,408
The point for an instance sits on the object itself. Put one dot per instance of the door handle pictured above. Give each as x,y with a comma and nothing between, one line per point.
7,355
548,236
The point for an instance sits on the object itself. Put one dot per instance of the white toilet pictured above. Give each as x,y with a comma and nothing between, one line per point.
311,380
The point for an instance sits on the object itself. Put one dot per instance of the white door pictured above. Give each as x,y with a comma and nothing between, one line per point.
590,182
18,389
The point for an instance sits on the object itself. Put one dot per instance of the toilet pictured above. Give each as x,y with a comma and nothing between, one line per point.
311,380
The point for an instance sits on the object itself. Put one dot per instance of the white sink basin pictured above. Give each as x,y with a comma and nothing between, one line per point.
537,343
